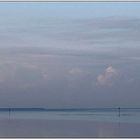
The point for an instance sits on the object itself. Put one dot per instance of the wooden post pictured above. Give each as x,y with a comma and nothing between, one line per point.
119,109
9,113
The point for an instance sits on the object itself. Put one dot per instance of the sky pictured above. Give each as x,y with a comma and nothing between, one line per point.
69,54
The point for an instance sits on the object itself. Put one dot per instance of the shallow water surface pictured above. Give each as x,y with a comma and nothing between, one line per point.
70,123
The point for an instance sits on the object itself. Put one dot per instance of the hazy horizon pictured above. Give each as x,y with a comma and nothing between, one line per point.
69,54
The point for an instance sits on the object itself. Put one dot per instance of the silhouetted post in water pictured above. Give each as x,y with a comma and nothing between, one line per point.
9,113
119,109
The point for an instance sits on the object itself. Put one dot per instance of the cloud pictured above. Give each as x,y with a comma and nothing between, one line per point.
108,77
20,74
75,71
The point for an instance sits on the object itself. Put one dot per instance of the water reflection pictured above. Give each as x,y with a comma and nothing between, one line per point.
69,124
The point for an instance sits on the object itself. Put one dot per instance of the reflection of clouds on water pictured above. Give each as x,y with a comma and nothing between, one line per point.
108,130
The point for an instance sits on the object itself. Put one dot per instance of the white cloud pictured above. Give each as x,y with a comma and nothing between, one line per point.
75,71
108,77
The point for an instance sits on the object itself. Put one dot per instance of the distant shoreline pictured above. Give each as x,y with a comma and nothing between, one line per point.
67,109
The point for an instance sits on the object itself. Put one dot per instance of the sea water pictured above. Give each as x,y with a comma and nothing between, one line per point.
70,123
111,115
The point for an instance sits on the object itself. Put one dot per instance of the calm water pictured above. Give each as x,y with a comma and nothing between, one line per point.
111,115
71,123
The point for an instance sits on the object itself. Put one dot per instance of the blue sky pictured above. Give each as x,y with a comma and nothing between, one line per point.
56,54
75,9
